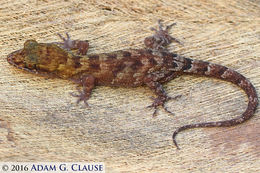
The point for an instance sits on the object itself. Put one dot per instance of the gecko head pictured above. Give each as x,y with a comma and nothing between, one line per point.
38,57
20,58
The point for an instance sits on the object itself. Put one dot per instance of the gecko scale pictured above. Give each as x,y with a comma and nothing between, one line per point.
151,66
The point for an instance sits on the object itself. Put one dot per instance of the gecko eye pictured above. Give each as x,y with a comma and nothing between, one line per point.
30,66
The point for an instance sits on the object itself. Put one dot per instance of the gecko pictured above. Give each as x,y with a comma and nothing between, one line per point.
151,66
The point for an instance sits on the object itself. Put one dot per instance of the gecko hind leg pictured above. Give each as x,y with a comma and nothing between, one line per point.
161,39
162,96
160,101
68,43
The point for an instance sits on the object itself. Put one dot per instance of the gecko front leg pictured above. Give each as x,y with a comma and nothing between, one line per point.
82,46
88,83
161,38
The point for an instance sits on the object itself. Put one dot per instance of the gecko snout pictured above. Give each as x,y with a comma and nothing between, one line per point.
16,59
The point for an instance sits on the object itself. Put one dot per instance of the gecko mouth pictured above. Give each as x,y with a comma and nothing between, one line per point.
15,58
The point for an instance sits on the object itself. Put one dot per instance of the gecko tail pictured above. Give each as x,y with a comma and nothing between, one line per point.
221,72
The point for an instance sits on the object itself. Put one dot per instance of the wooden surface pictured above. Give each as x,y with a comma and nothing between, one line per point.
39,120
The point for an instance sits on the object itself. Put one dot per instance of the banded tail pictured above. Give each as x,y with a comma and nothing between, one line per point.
224,73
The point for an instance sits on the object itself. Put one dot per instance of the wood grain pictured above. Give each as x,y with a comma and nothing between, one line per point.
39,120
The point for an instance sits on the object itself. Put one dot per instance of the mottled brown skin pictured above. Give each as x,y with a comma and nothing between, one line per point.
151,67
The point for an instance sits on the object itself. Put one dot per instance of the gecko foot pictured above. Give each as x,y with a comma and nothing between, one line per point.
88,83
155,105
160,101
67,42
161,39
81,46
82,96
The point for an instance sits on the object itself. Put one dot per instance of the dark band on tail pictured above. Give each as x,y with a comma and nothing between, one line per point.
224,73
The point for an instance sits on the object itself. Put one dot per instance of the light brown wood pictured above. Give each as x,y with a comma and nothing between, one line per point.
39,120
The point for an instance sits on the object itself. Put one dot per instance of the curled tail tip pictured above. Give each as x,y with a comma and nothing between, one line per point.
174,140
176,145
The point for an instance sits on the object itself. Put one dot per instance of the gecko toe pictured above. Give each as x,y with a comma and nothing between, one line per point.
160,101
155,107
166,110
81,97
155,112
173,98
